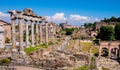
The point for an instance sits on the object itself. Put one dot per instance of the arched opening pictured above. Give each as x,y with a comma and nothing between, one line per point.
104,52
114,53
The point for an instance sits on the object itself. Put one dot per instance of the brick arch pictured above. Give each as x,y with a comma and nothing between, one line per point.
109,45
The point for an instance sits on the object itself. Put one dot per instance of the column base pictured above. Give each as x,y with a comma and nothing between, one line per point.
27,47
33,45
14,50
22,52
41,43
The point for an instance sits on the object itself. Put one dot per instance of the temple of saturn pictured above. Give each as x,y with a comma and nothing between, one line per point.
29,19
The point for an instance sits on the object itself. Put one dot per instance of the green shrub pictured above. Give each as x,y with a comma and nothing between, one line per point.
5,61
35,48
103,68
85,67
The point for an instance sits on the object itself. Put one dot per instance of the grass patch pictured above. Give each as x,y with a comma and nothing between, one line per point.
5,61
95,50
85,67
85,46
103,68
35,48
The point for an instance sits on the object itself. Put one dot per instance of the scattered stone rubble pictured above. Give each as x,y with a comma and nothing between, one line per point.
109,63
56,60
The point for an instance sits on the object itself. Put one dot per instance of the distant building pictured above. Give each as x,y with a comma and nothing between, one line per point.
66,25
53,28
7,29
100,24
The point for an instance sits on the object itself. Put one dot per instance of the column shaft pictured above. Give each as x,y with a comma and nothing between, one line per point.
32,33
27,35
36,33
13,35
100,51
109,53
40,32
46,33
20,34
116,52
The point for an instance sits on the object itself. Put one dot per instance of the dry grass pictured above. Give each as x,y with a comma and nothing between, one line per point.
95,49
75,46
86,46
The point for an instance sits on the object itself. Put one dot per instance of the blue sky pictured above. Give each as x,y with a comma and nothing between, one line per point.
76,12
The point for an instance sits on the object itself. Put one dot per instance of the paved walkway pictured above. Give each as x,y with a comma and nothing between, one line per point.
26,68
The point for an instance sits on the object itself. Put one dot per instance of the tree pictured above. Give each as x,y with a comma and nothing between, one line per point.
69,31
106,33
117,31
89,25
113,19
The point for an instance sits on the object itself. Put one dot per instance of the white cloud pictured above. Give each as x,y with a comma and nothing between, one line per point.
58,17
3,15
78,17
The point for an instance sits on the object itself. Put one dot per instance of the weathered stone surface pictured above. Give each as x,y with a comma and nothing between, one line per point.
55,60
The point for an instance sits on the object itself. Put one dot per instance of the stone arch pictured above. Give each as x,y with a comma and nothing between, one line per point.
114,52
104,51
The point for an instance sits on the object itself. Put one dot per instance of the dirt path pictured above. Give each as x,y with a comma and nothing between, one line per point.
26,68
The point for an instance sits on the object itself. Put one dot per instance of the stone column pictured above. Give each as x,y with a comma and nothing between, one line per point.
13,35
27,34
40,31
46,32
116,52
32,32
20,33
100,51
36,33
109,53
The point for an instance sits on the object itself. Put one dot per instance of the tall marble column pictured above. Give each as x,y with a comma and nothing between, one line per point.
46,32
20,33
13,35
37,32
40,31
32,32
27,34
